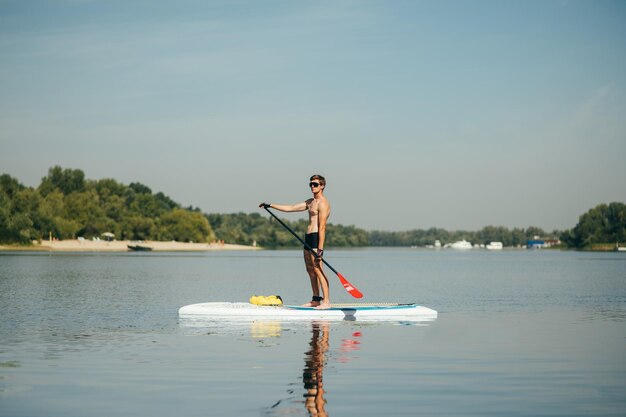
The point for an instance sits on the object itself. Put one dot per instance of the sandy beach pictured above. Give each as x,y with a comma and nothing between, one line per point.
76,245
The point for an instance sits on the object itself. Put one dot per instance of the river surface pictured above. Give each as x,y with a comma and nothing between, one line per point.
519,333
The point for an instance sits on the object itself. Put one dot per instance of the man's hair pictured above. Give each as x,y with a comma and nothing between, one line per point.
318,177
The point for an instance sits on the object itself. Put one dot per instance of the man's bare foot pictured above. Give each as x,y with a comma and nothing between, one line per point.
324,305
311,304
315,301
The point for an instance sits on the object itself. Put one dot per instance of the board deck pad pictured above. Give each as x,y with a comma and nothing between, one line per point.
356,306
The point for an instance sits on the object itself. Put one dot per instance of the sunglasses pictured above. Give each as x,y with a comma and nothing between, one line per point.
314,184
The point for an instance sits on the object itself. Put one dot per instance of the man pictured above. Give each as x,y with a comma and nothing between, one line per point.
319,211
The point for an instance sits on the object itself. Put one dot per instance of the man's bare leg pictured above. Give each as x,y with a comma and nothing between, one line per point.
309,261
322,282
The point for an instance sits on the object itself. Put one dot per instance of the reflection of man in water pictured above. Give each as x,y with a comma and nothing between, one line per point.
312,375
314,370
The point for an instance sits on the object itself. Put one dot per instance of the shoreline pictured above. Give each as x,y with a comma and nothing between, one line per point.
76,245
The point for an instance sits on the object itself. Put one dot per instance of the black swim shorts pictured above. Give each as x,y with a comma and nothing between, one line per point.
312,239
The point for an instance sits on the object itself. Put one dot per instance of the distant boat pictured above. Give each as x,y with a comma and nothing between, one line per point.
138,247
437,244
494,246
462,245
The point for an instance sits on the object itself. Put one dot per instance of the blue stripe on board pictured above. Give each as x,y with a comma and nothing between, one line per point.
356,308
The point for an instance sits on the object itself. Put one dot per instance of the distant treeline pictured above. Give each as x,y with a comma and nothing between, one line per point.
66,205
242,228
515,237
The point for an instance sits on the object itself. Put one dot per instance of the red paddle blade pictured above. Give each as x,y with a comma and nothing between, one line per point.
349,287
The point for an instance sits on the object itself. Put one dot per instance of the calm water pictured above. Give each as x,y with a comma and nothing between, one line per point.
520,333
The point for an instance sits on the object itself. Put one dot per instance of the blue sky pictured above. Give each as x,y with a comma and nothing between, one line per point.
454,114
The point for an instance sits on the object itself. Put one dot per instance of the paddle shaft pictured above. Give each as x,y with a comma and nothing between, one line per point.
300,239
349,287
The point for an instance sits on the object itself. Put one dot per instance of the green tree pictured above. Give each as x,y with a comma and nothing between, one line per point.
84,208
20,229
9,185
186,226
146,205
165,202
603,224
135,227
108,187
139,188
115,208
66,180
50,214
24,216
5,218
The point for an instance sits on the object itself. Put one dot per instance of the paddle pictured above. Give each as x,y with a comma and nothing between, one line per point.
349,287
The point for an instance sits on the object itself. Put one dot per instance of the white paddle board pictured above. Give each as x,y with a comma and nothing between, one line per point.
370,311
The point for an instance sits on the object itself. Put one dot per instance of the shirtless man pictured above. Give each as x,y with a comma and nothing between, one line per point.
319,211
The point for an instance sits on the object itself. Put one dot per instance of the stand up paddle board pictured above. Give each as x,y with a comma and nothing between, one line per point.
371,311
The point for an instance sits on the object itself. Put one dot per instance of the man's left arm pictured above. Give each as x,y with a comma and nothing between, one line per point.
324,212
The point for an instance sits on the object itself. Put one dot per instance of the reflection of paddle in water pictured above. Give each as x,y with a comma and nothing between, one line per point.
348,346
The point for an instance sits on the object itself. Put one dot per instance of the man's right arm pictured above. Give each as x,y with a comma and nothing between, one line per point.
289,208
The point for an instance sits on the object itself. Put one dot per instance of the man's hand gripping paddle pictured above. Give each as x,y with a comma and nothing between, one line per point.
346,284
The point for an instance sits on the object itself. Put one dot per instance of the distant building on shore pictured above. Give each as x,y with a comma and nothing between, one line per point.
539,243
